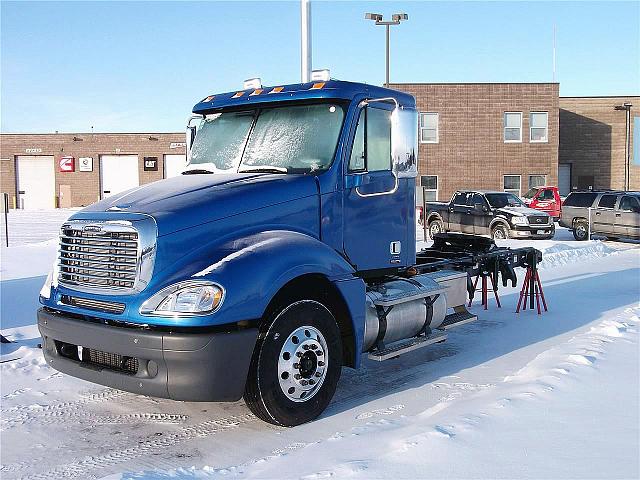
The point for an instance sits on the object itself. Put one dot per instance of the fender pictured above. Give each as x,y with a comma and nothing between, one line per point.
434,216
252,269
499,219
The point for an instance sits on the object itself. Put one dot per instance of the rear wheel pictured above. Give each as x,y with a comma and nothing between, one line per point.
581,230
500,232
296,365
435,227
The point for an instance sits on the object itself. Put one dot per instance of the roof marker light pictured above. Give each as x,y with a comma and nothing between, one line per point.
320,75
252,83
208,99
317,86
257,91
276,89
238,94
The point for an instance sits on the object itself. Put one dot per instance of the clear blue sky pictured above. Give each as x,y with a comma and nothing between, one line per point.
121,66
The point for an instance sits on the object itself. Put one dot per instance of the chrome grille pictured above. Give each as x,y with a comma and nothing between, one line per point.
98,256
100,305
538,219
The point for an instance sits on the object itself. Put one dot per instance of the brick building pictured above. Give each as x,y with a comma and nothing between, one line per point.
489,136
593,137
63,170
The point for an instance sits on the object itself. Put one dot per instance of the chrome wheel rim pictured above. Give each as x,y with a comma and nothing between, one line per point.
302,365
581,231
498,233
435,229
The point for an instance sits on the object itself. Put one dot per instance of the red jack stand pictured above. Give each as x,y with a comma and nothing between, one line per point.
531,287
485,290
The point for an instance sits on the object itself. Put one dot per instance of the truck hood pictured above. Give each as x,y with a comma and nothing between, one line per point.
189,200
521,211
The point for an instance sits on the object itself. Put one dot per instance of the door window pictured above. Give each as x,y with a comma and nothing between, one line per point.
607,201
629,204
547,195
460,199
371,149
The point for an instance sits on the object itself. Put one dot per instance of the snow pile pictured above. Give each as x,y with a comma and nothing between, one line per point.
562,254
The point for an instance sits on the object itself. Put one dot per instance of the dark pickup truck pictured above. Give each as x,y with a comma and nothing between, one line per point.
498,214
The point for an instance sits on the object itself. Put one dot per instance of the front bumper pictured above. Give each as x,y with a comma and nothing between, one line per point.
531,231
181,366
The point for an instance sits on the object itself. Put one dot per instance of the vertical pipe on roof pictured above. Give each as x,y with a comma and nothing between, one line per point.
305,40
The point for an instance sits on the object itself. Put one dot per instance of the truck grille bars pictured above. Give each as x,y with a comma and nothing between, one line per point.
112,257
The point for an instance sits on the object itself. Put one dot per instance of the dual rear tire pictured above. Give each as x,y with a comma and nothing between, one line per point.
296,364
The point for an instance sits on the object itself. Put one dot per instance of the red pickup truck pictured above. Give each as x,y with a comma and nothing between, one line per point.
545,199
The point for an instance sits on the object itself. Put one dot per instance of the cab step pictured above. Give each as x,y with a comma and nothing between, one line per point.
456,319
405,346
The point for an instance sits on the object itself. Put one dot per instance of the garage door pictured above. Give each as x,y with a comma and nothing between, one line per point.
174,165
117,174
36,181
564,178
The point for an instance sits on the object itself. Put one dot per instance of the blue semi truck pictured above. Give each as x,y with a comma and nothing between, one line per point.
285,251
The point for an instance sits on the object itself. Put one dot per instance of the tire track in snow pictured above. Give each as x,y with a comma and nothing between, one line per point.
58,417
83,468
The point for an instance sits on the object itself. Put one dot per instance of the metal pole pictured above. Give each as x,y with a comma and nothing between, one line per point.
387,76
5,203
628,151
305,40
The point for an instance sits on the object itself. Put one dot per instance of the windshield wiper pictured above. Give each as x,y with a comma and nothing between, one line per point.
264,168
196,171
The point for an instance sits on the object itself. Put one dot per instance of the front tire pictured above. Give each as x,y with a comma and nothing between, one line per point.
581,230
296,365
435,227
500,232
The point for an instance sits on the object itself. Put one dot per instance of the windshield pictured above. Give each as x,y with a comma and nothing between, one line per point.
531,193
500,200
295,139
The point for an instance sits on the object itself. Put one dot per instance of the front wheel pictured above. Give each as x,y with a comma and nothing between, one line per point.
500,232
581,230
435,227
295,366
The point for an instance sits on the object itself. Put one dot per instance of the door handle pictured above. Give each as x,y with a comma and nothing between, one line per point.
617,214
597,213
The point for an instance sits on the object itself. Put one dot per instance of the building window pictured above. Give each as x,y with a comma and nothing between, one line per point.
512,184
429,185
538,127
429,128
512,127
537,181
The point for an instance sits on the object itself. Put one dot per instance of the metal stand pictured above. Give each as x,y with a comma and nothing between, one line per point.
485,289
532,288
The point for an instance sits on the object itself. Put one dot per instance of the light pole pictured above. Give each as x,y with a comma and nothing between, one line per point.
396,18
627,146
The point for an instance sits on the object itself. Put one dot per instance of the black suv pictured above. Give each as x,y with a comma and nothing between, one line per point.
610,213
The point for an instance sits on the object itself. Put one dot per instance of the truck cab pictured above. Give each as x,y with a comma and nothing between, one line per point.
546,199
284,251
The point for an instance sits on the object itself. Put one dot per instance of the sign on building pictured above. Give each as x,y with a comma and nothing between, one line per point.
67,164
150,164
85,164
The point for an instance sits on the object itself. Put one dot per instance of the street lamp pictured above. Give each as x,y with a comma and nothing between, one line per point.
396,18
627,146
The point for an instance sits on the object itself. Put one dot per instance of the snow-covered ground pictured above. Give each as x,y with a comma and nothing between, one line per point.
509,396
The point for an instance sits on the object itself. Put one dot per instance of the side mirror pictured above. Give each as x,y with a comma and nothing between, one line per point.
191,133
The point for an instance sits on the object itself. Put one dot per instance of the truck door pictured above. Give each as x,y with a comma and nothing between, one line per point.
481,218
375,209
457,210
627,217
604,218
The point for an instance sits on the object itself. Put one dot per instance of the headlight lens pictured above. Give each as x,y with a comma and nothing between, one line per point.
519,220
185,298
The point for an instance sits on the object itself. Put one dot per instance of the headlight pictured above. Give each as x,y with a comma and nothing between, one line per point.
519,221
185,298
